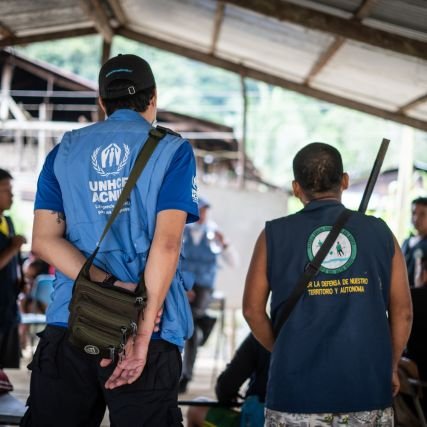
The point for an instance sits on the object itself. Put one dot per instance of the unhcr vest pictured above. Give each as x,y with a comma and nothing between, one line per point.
92,166
199,260
334,352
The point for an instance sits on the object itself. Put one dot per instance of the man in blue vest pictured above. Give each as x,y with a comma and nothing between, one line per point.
335,360
77,190
203,244
415,246
10,245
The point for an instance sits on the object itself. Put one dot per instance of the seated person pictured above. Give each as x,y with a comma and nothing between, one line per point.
416,348
251,361
35,295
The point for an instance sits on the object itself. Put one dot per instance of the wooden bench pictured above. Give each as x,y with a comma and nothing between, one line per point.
11,409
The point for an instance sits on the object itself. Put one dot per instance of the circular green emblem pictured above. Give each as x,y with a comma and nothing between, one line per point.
342,253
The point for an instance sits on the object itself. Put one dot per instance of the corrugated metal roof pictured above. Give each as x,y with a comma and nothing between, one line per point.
370,55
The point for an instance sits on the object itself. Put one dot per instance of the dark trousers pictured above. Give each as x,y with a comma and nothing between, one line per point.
67,387
199,305
10,351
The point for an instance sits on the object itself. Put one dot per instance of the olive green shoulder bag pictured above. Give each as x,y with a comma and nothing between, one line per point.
104,316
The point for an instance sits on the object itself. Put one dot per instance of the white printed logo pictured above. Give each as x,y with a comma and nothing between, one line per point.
91,349
111,159
195,190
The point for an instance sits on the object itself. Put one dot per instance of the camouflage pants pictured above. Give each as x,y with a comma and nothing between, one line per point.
378,418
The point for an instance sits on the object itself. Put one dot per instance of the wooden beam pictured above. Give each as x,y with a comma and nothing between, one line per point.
118,11
219,17
347,28
45,74
362,12
5,31
324,58
365,9
106,51
105,55
96,12
6,83
277,81
242,145
15,40
420,100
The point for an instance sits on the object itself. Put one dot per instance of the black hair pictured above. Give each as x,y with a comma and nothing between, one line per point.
4,174
318,168
41,267
138,102
420,201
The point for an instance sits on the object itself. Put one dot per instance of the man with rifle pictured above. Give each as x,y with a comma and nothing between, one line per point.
334,361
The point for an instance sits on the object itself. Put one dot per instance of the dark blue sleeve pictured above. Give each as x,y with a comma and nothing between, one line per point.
49,194
179,187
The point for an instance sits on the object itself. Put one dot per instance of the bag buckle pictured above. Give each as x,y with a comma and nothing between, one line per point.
311,268
112,351
122,353
140,301
134,328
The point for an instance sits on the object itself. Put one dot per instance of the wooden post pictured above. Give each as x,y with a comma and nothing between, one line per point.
41,146
404,183
19,145
242,145
6,80
106,51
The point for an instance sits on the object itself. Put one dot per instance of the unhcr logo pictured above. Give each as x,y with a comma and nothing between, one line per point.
111,160
91,349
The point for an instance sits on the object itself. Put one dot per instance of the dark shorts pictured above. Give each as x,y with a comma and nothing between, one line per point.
10,351
67,387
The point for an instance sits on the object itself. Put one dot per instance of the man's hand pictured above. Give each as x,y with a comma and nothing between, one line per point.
17,241
125,285
105,362
130,368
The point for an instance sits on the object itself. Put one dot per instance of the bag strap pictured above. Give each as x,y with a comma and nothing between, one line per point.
310,271
154,137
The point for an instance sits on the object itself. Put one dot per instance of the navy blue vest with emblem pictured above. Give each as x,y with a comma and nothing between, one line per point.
9,314
199,260
334,352
92,166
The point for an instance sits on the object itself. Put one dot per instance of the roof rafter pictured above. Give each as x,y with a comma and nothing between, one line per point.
96,12
365,9
5,31
35,38
118,11
347,28
362,12
412,104
277,81
45,74
219,17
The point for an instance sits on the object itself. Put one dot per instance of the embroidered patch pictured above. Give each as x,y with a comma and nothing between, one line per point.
342,253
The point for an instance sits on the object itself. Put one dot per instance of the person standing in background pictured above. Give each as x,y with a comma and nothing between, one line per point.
203,245
10,246
415,246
